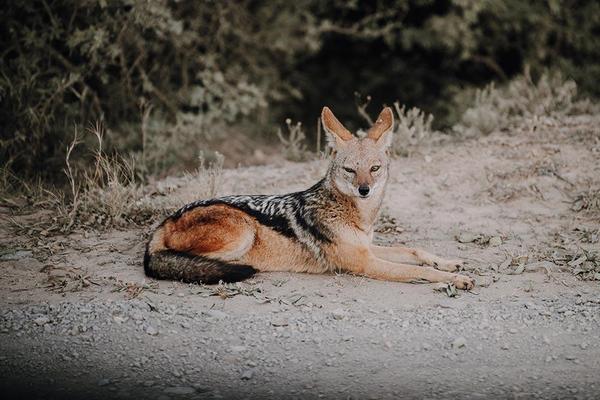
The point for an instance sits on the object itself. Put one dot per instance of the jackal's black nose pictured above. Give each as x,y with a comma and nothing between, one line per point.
363,190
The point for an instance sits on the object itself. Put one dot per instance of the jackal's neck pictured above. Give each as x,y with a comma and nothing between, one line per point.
361,212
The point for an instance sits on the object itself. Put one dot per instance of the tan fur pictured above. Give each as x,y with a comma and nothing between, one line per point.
223,232
332,124
274,252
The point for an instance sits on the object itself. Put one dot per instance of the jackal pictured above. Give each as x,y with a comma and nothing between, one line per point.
328,227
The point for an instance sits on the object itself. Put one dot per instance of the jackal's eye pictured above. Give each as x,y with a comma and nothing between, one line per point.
349,170
375,168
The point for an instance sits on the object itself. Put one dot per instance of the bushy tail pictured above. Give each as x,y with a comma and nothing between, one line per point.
175,265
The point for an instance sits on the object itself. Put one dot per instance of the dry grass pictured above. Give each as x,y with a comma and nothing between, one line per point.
18,193
111,194
585,264
588,201
63,279
412,128
499,108
293,141
108,195
114,195
133,290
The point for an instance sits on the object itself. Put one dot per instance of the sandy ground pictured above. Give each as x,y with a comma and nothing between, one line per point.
503,203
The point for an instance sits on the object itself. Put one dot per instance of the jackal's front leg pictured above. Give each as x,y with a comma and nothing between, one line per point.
363,261
400,254
389,271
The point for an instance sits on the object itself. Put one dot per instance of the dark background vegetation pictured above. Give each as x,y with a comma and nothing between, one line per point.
165,77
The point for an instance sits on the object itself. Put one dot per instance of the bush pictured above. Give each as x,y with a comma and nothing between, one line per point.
164,75
412,127
498,108
198,64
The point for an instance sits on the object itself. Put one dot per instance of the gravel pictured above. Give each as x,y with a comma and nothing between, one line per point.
330,350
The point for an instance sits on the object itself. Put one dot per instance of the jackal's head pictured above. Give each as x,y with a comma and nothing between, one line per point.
360,165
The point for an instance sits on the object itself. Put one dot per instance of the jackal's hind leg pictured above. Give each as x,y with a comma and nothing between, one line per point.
217,231
400,254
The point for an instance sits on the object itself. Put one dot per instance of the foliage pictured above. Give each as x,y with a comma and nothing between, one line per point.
498,108
69,62
163,75
425,53
293,141
412,127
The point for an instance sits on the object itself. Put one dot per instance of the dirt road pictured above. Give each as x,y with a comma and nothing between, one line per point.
78,318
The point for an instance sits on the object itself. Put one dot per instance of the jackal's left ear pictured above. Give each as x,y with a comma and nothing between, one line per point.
381,131
336,132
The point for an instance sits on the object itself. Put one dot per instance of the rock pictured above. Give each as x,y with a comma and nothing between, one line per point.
180,390
484,281
238,349
16,255
42,320
152,331
215,314
338,314
104,382
495,241
137,316
546,339
279,322
459,342
247,375
466,237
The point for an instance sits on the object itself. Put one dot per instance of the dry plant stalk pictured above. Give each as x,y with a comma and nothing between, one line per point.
73,184
293,141
412,128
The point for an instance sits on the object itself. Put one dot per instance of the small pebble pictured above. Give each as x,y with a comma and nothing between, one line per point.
247,375
152,331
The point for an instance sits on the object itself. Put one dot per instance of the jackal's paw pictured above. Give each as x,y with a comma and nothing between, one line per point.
463,282
448,265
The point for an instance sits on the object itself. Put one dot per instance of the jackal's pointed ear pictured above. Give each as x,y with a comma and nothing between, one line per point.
381,131
336,132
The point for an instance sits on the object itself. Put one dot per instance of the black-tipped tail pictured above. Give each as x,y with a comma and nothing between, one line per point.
175,265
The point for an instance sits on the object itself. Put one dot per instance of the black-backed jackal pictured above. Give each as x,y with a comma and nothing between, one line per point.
328,227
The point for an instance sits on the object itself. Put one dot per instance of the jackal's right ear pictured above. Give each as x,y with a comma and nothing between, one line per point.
336,132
